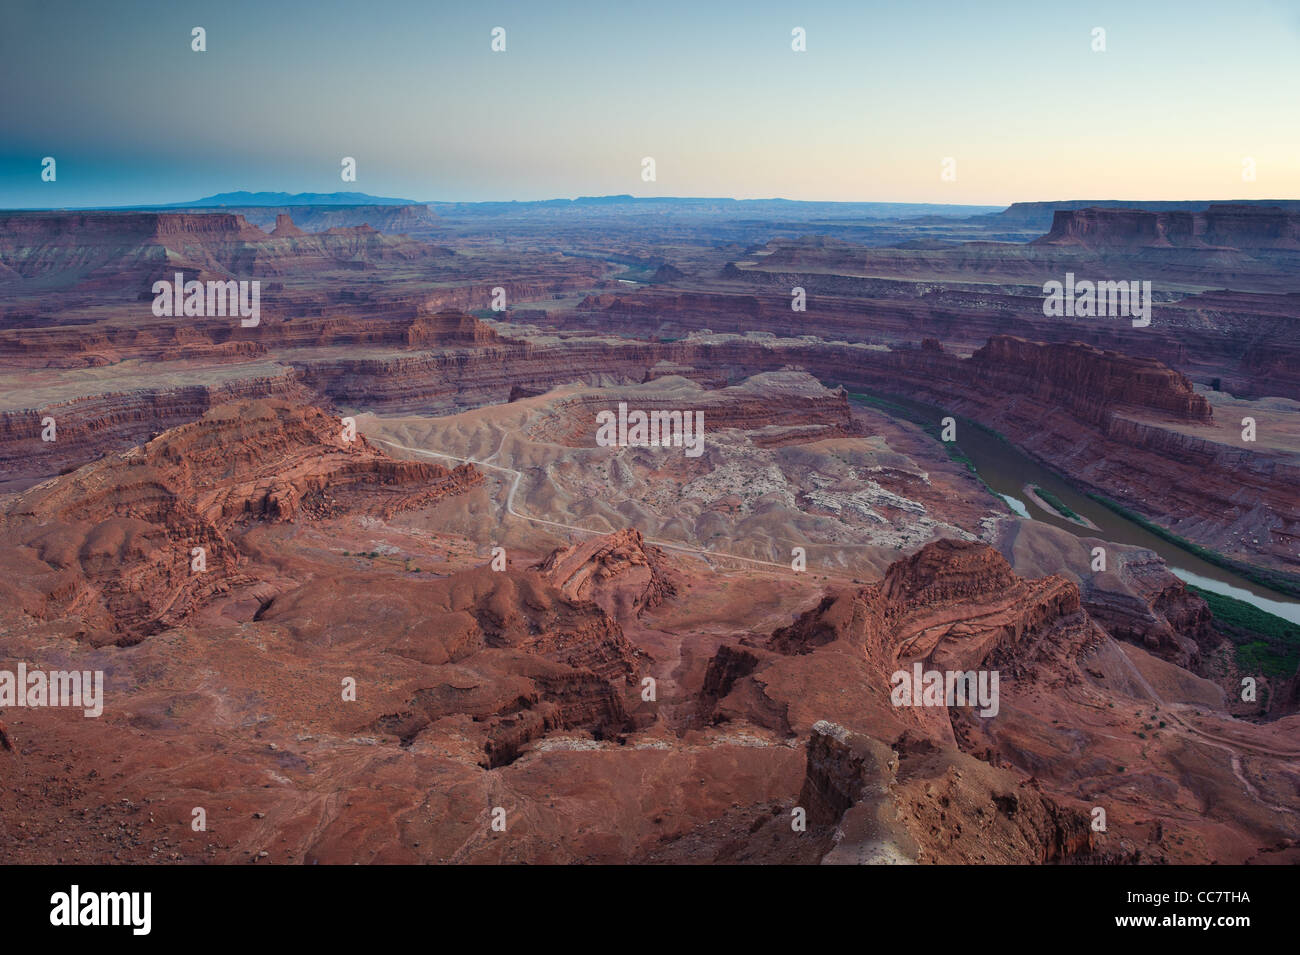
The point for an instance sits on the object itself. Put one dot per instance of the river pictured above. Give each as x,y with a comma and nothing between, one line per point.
1008,470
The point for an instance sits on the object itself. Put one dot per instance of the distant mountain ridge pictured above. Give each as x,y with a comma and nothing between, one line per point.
244,198
777,209
624,202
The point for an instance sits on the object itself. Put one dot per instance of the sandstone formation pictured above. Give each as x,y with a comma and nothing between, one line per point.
1089,383
1154,609
855,784
783,407
620,572
115,541
510,657
284,227
890,783
88,427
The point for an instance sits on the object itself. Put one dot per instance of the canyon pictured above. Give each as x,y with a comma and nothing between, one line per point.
362,580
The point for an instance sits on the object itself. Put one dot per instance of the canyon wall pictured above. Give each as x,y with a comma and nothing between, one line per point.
1218,226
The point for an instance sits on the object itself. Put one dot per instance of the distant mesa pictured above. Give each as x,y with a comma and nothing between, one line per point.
388,218
1040,215
132,249
317,212
1220,226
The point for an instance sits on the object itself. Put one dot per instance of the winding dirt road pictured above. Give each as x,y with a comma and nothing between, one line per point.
510,508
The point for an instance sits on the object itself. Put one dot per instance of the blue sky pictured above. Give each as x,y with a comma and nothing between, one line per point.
1012,91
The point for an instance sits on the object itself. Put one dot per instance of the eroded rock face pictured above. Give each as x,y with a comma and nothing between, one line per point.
780,407
109,250
618,571
947,570
952,605
848,787
1130,427
1088,381
508,657
115,541
1149,606
911,802
891,783
448,328
504,658
95,425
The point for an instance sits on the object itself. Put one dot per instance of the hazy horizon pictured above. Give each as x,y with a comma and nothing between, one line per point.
180,205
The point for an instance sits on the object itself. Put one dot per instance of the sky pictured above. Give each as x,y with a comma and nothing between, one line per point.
1184,94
